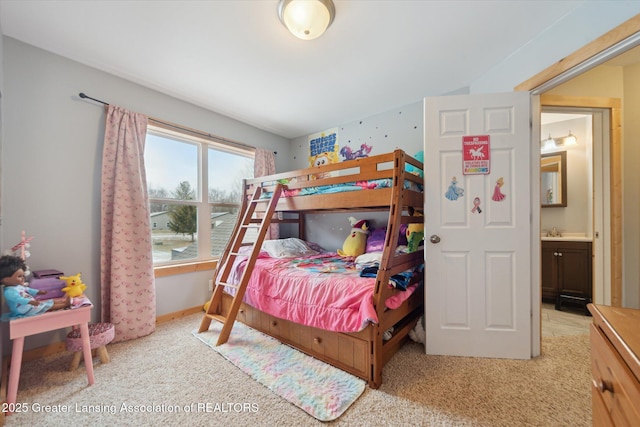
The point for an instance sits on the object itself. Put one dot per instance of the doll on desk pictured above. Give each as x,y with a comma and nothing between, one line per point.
20,298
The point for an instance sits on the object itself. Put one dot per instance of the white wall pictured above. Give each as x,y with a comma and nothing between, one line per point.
583,25
399,128
586,23
565,37
52,157
576,216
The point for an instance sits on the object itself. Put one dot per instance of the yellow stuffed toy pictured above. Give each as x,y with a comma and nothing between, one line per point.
356,243
74,287
415,232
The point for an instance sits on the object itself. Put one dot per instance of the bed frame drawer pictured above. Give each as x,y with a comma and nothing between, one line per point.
349,352
279,328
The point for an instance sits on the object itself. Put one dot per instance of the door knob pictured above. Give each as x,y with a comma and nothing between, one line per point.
434,238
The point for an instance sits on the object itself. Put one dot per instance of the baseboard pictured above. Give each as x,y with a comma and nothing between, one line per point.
178,314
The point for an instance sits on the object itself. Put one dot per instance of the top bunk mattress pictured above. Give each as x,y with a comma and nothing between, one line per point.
372,184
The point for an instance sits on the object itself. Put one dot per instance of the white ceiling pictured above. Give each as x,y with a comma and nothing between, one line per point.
549,118
236,58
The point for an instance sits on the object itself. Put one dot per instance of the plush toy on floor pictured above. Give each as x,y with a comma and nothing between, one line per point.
418,334
356,243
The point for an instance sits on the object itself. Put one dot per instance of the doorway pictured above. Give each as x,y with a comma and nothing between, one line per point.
607,189
583,218
619,47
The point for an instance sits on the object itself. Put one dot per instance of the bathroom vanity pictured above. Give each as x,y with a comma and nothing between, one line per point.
567,271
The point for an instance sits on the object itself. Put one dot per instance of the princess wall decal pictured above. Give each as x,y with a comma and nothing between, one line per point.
453,192
498,196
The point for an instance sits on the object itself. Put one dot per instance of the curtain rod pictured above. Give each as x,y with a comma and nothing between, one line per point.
83,96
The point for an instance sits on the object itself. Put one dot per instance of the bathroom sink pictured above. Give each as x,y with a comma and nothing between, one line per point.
575,237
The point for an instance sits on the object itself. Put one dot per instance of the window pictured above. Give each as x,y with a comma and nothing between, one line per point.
194,185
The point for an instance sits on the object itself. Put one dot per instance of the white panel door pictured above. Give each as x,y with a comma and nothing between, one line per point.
477,228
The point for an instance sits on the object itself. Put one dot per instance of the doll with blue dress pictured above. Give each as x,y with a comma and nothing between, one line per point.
20,298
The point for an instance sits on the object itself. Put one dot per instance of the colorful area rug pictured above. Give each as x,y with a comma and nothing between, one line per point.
321,390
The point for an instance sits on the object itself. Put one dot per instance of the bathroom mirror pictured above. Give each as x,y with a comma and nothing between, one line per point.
553,180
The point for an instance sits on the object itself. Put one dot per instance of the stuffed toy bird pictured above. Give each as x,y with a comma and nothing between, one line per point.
74,287
356,243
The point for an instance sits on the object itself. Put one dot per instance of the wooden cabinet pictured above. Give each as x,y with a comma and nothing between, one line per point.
566,272
615,365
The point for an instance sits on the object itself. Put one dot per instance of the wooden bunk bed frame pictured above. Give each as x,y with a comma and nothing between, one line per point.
362,353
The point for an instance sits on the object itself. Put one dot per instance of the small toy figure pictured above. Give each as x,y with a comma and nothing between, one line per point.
74,287
20,298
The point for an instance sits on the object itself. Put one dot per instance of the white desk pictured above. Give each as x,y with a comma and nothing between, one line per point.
49,321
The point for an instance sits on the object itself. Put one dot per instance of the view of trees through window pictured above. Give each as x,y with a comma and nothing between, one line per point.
194,188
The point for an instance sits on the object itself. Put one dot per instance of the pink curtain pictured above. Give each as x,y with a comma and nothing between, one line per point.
264,163
126,259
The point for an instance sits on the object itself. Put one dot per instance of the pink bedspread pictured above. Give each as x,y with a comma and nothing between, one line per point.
324,291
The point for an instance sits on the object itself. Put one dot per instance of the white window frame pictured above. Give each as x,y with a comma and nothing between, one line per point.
204,208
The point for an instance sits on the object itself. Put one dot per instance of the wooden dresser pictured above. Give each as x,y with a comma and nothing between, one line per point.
615,363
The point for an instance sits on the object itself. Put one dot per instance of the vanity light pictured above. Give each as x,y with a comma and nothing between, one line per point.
566,140
553,143
306,19
570,139
549,143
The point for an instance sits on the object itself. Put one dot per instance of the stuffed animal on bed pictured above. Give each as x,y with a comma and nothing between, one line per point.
415,232
356,242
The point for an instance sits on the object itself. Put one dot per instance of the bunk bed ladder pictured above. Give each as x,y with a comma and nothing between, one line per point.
214,311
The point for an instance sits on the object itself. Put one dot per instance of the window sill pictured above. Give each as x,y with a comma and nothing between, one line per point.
172,270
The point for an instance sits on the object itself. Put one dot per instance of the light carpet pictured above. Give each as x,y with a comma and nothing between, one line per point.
179,381
322,391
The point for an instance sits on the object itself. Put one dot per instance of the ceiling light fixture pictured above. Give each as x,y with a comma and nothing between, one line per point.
306,19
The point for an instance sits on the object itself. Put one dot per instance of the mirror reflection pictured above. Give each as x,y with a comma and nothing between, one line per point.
553,180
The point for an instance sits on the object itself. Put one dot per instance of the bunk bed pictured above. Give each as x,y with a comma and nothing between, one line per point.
390,182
